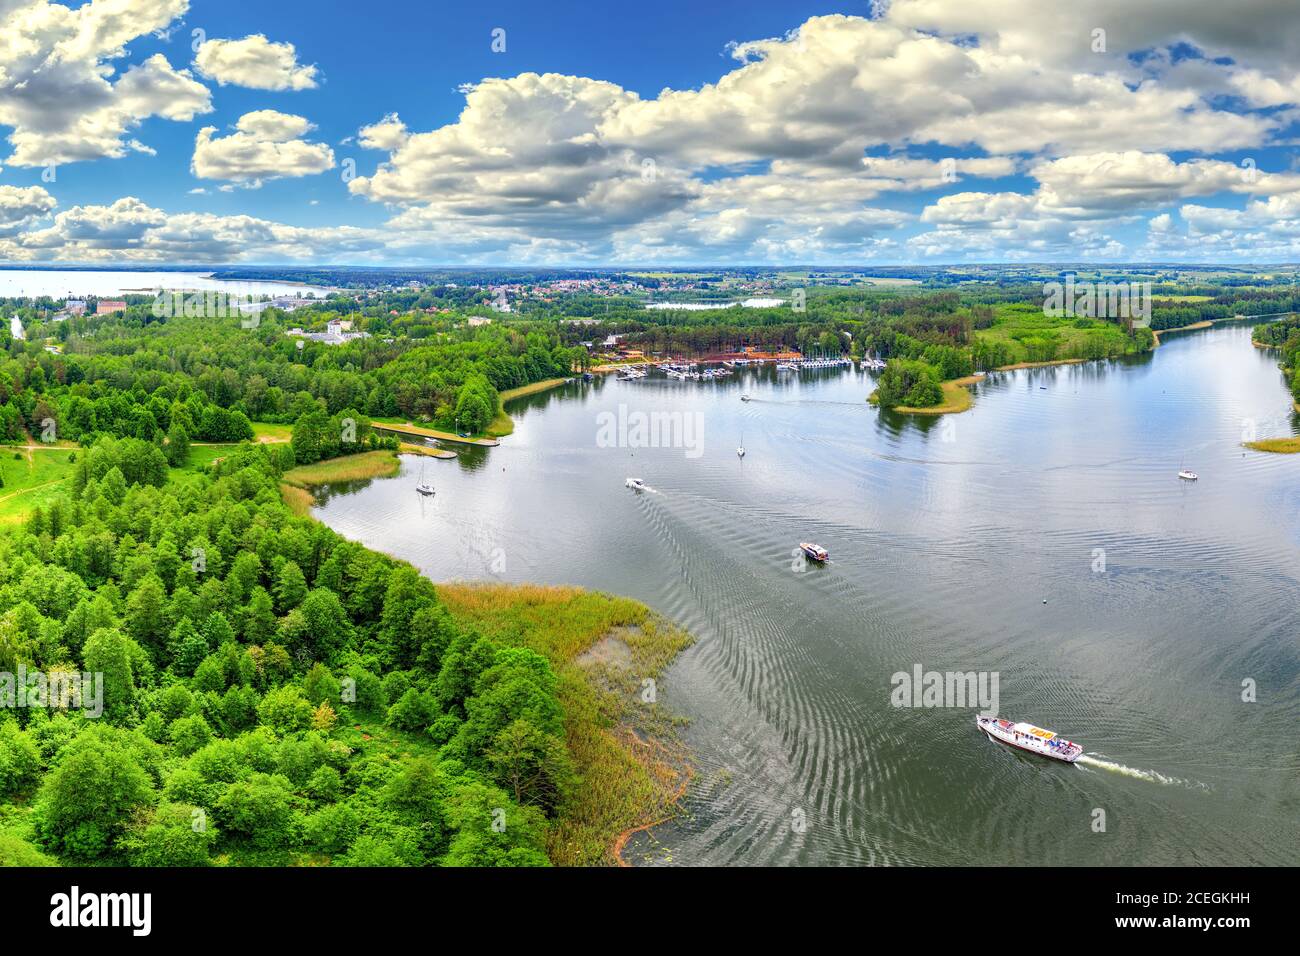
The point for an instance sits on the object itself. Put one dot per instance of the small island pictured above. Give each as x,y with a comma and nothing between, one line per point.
931,379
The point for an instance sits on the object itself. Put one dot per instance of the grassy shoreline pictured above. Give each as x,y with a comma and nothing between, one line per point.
1203,324
1277,446
543,386
604,649
296,483
407,448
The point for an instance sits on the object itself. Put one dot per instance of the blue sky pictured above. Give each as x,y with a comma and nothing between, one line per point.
911,131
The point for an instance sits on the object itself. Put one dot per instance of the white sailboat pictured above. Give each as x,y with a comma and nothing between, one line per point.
425,487
1186,474
740,450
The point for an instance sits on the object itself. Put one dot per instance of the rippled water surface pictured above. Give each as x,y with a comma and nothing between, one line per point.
965,543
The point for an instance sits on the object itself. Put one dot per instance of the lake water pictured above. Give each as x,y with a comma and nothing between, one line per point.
946,537
59,283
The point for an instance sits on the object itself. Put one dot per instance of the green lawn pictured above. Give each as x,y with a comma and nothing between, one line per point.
271,432
201,456
34,478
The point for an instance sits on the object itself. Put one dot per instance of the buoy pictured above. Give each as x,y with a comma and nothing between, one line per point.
1044,600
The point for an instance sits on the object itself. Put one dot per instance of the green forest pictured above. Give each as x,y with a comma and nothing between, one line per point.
235,640
134,375
273,694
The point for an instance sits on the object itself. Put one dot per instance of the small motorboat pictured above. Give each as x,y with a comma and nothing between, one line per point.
744,398
814,552
636,484
1187,475
1025,736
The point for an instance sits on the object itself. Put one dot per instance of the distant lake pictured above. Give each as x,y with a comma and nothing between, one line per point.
1043,536
59,283
700,306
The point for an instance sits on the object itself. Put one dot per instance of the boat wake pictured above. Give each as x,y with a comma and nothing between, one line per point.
1151,776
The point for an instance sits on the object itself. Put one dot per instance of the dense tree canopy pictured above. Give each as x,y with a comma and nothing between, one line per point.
226,686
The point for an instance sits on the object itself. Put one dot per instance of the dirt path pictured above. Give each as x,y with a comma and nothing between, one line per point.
25,491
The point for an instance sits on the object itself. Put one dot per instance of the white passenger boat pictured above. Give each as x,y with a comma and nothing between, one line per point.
1028,737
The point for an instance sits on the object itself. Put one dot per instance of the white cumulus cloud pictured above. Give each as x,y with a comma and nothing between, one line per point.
254,62
63,96
266,145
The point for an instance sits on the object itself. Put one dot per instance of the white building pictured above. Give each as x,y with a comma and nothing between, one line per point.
333,334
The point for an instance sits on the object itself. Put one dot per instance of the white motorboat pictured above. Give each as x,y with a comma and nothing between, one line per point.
636,484
1025,736
1187,475
814,552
